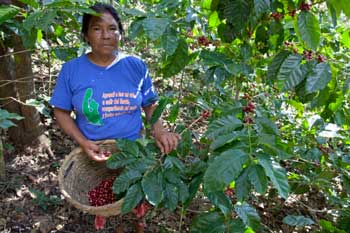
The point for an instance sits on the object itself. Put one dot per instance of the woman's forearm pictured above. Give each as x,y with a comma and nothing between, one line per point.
67,124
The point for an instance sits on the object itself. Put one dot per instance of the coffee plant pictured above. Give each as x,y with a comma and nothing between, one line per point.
259,91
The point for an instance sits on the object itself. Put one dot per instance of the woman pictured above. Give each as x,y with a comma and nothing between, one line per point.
106,89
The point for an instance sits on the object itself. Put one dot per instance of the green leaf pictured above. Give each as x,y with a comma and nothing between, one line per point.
4,124
224,169
155,27
213,58
236,226
173,162
277,175
276,63
174,112
236,12
142,165
170,41
242,186
7,12
266,126
152,185
223,125
135,28
249,215
297,220
32,3
159,110
214,20
208,223
309,29
290,72
261,7
220,200
224,139
257,178
193,188
118,160
319,78
170,196
129,147
327,226
175,63
132,198
124,180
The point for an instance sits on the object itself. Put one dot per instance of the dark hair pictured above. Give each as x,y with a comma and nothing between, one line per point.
101,8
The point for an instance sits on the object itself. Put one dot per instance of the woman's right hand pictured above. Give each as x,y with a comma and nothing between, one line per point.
93,151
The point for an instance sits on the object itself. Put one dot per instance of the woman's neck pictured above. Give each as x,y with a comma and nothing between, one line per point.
104,60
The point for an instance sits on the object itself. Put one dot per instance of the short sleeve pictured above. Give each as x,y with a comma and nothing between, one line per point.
149,94
62,94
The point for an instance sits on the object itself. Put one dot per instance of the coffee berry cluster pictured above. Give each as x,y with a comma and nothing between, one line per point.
102,194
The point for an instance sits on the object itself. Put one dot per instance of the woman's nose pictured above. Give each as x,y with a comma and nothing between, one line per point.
106,34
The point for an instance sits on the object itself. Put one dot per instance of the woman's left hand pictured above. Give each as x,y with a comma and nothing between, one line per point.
166,141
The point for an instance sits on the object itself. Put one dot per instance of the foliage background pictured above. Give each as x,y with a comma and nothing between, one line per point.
259,90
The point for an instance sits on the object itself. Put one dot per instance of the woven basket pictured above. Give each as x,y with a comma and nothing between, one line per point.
79,174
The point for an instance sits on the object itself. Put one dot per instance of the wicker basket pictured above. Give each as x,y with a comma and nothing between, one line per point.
79,174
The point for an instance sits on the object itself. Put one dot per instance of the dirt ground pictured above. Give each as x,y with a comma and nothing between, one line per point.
30,199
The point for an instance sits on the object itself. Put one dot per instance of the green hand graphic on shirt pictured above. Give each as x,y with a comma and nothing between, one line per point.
90,108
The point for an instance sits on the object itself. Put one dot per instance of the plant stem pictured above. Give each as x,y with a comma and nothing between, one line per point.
181,218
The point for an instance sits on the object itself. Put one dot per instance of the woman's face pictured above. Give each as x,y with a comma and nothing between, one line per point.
103,34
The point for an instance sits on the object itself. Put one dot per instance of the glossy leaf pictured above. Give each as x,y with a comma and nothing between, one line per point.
266,126
155,27
242,186
257,178
224,169
309,29
170,196
224,139
261,7
211,222
297,220
276,64
319,78
290,72
277,175
169,42
118,160
249,215
176,62
223,125
124,180
162,103
220,200
153,186
132,198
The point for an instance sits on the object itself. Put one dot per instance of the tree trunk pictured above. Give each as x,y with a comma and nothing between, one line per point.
16,82
2,162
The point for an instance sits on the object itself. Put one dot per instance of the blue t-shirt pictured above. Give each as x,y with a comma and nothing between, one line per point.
107,101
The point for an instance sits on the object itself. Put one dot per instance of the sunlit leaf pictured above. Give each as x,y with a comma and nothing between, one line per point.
309,29
277,175
319,78
294,220
224,169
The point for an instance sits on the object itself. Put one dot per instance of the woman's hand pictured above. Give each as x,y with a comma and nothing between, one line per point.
166,141
93,151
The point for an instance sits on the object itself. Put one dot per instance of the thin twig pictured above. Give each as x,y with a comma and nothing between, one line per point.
17,52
